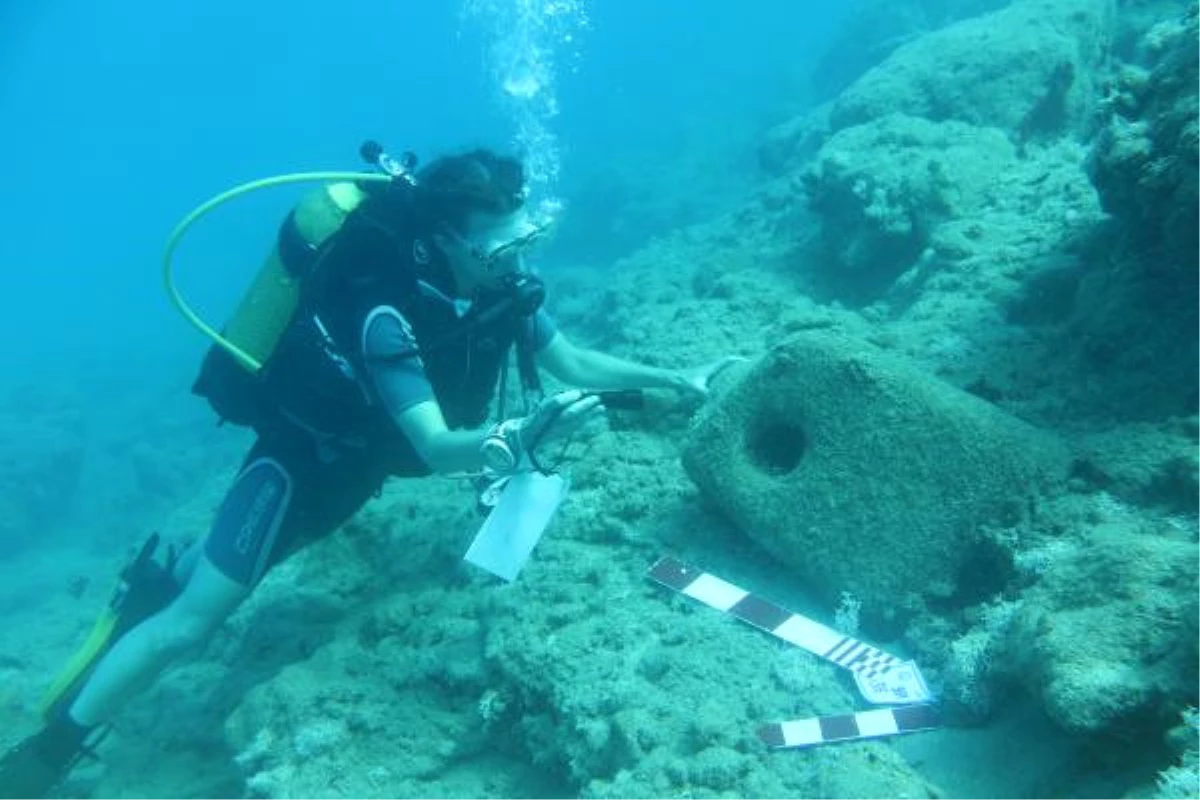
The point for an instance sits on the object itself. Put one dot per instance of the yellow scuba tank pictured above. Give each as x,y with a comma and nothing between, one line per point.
265,310
268,305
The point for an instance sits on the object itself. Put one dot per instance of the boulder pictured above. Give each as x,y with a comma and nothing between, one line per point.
1025,69
881,189
1145,157
1108,635
873,29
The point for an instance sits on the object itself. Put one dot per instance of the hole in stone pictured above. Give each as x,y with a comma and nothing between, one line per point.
776,446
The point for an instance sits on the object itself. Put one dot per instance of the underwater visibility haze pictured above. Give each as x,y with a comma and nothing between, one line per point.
884,482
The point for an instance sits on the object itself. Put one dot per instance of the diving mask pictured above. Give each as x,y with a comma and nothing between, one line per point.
501,249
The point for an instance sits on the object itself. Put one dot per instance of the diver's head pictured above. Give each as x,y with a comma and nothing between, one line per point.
475,203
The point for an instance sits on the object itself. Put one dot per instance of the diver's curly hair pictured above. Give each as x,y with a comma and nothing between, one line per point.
453,187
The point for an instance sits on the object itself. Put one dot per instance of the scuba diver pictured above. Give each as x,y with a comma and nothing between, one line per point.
372,345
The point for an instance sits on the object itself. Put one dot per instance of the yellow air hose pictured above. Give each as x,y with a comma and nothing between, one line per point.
244,358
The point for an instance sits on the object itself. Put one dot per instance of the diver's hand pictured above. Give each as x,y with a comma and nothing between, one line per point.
559,417
697,380
512,443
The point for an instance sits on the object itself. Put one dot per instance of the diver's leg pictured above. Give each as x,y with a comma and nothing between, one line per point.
235,556
219,576
186,561
141,654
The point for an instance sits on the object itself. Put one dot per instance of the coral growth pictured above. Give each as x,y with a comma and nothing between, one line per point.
1182,780
1144,161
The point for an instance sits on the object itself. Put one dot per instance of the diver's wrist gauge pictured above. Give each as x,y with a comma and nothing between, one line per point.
501,448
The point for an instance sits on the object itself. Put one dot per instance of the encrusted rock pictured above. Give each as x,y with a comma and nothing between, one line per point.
873,29
881,188
865,475
1109,634
1144,159
1025,69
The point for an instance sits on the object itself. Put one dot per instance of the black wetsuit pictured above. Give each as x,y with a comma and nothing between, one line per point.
344,370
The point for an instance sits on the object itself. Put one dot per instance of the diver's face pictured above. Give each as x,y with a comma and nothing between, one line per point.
490,251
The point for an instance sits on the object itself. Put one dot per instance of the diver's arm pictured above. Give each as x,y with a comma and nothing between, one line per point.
399,379
594,370
443,450
409,399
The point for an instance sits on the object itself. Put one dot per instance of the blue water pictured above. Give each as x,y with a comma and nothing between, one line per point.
118,124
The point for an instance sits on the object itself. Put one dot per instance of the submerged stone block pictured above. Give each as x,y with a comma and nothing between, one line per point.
867,476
